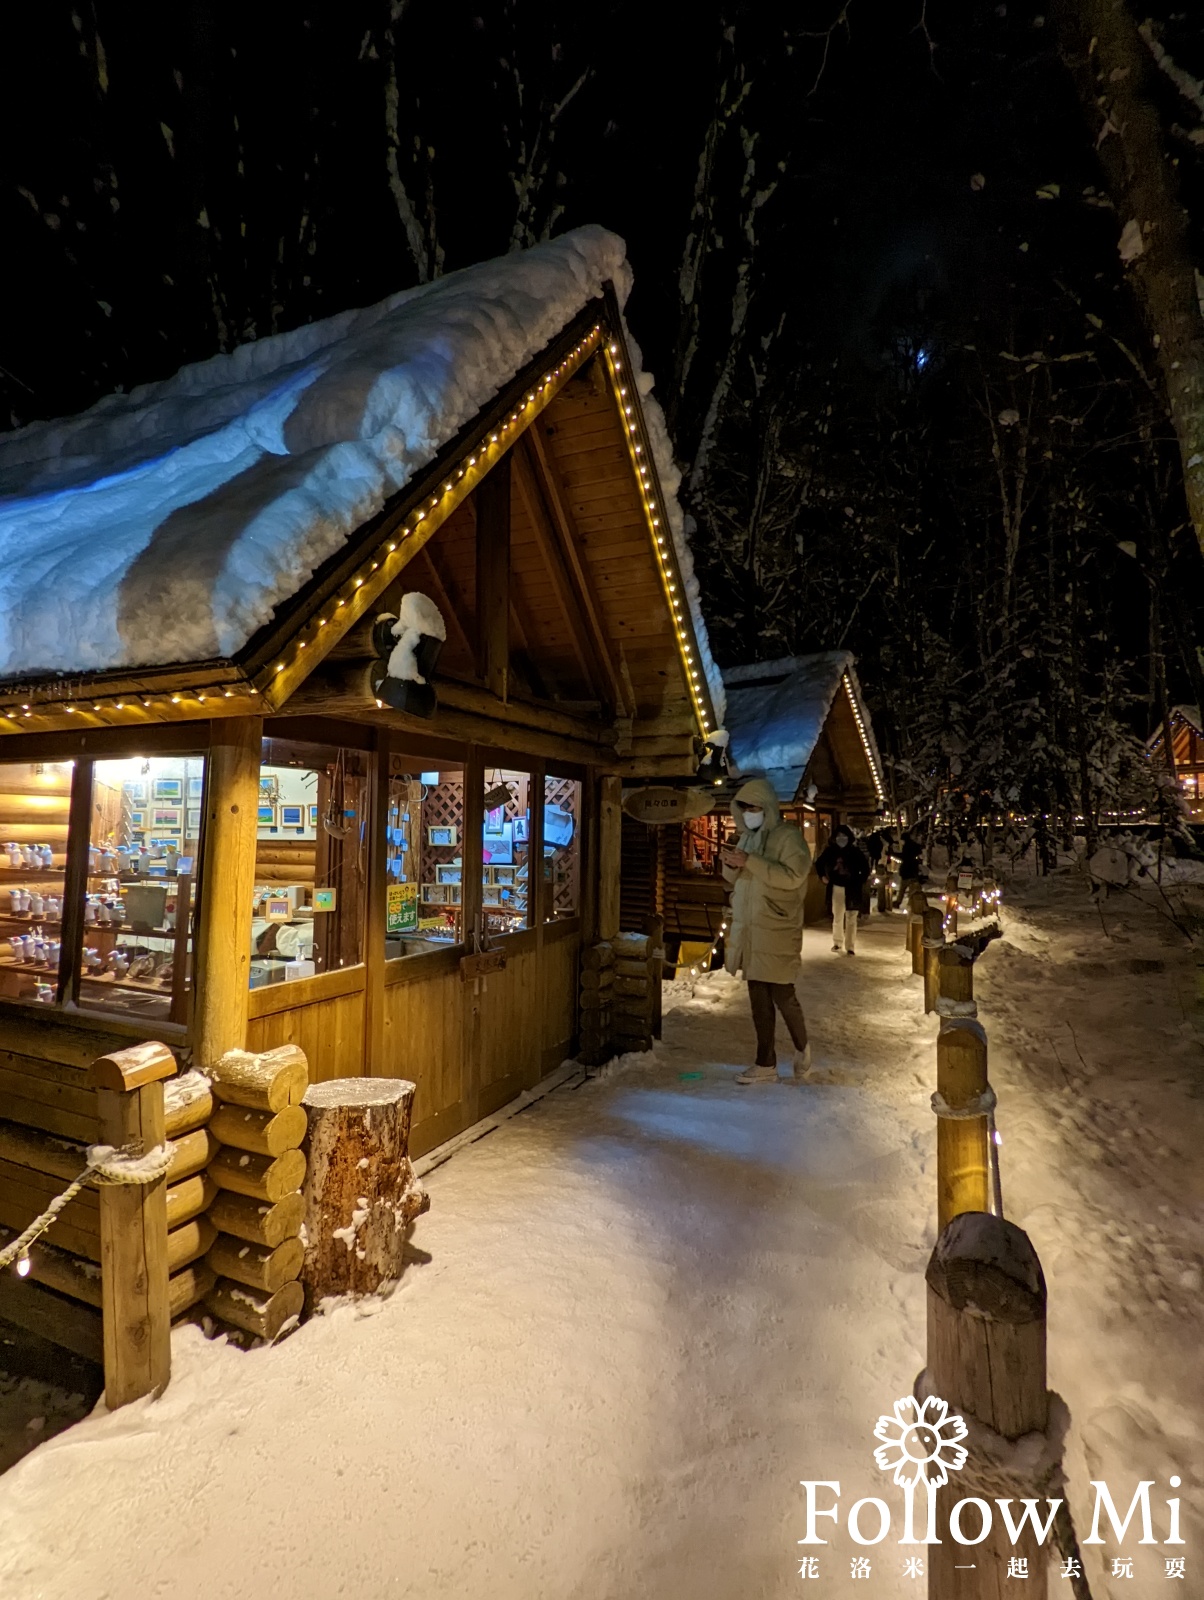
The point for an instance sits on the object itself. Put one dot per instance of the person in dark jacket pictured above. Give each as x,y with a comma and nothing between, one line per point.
845,869
911,866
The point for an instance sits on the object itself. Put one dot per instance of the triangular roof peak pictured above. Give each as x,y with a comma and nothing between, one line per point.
180,523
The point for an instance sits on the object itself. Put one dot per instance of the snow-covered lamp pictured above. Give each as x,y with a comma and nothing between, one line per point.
714,762
408,647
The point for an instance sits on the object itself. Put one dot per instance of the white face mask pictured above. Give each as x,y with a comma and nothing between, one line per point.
753,819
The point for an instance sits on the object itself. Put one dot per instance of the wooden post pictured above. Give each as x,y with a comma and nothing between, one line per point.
655,928
223,960
361,1194
932,937
955,977
133,1225
986,1360
917,905
951,901
610,826
963,1165
492,499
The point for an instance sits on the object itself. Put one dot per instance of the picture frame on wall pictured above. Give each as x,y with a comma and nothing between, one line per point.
137,819
195,787
441,837
169,789
313,816
522,829
194,822
135,789
269,789
448,874
292,816
165,817
267,815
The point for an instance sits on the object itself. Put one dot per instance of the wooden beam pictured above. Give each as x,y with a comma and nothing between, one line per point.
567,558
426,575
223,943
610,833
596,670
493,578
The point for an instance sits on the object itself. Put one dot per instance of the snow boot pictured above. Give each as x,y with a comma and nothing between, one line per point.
836,948
802,1062
850,952
758,1075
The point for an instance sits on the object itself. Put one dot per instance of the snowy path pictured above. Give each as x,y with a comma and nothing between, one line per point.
653,1304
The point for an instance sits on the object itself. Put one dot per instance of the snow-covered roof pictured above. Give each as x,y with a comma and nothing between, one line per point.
776,711
167,524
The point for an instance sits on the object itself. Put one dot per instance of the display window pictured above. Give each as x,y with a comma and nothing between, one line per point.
140,894
35,800
506,844
424,856
561,848
311,861
121,941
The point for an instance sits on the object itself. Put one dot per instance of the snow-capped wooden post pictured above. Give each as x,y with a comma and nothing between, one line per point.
932,938
361,1194
916,907
955,979
986,1360
133,1224
961,1103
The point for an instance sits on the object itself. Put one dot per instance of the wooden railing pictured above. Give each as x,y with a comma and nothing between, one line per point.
986,1289
217,1219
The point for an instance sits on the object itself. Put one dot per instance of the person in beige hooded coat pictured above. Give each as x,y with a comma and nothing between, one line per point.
768,869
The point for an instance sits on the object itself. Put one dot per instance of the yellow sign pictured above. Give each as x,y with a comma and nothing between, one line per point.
401,908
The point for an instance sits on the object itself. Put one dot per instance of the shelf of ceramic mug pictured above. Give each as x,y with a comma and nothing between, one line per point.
29,920
128,927
110,980
28,966
24,875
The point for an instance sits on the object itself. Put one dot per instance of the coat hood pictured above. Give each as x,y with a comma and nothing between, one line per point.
757,792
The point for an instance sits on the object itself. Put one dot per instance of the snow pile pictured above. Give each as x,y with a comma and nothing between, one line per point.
167,524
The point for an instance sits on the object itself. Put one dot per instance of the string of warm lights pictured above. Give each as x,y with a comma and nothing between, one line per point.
653,501
705,964
132,702
865,739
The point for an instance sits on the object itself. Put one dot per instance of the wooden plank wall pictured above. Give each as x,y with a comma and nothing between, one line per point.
424,1041
331,1032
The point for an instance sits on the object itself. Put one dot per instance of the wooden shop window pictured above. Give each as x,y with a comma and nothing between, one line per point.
139,887
426,862
310,861
35,803
561,848
505,850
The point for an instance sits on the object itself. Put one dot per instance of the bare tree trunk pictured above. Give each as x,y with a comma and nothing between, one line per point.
1111,67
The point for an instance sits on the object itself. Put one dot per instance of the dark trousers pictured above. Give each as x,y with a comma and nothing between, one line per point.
764,998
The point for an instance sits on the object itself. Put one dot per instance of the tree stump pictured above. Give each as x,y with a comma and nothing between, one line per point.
361,1195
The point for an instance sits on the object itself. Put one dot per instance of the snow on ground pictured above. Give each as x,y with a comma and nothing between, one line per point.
655,1301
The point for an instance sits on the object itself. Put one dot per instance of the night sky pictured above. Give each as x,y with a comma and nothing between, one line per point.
180,180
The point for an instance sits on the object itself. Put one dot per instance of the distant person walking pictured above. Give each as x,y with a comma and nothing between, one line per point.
845,869
768,869
911,864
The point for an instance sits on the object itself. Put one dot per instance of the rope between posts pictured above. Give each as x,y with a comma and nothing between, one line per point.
106,1166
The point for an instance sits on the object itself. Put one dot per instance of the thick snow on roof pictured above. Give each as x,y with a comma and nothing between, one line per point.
776,711
167,524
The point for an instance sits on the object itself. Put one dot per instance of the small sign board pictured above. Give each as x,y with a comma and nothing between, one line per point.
965,882
276,908
659,804
401,908
324,899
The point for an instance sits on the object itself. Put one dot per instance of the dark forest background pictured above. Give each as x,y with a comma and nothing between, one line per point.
878,278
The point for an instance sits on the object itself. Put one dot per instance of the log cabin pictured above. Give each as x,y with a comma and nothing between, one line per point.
1187,756
322,665
801,722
